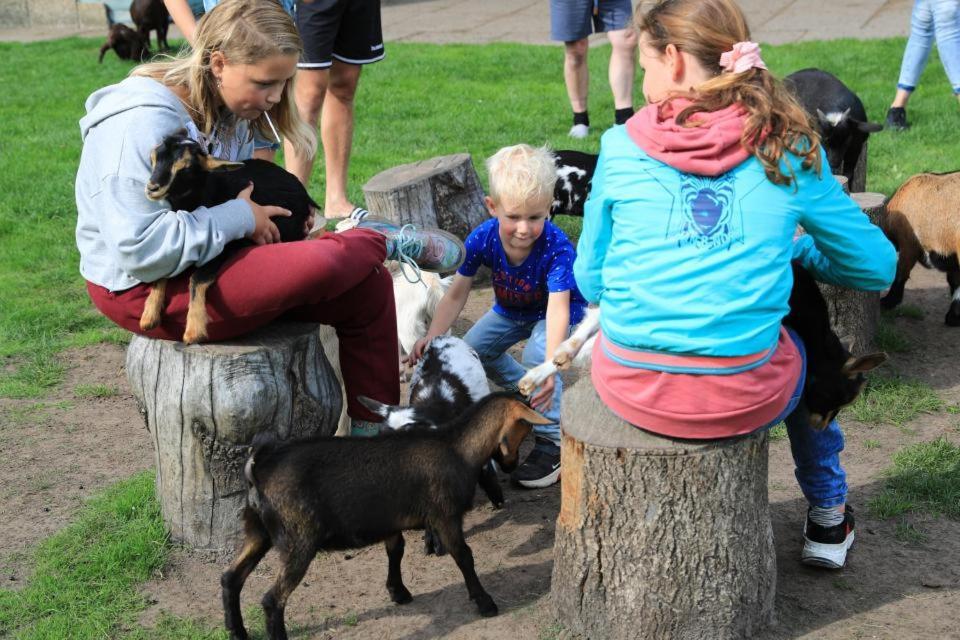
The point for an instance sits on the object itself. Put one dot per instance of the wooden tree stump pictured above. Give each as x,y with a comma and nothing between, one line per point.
659,538
442,192
203,405
859,182
843,182
856,314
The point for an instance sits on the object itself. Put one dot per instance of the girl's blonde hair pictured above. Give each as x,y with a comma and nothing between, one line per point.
705,29
522,174
245,32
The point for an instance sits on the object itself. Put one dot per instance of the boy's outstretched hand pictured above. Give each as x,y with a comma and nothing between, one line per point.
542,400
418,348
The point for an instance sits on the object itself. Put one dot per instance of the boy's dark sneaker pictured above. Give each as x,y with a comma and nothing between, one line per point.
827,546
541,468
897,119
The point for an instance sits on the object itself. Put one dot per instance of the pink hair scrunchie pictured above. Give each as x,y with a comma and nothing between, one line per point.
743,57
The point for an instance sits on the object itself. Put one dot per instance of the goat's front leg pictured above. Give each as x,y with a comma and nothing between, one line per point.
255,545
569,348
398,592
153,307
451,532
491,484
953,313
536,377
274,601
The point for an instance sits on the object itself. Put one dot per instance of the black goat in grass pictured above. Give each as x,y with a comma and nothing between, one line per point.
150,15
126,42
834,377
187,177
345,493
839,116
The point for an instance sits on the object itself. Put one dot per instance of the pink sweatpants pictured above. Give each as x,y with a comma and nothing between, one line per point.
336,279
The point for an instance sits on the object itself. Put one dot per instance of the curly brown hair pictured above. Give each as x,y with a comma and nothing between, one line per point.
705,29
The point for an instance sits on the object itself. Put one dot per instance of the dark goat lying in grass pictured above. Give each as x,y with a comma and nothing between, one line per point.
834,377
126,42
448,379
574,177
187,177
344,493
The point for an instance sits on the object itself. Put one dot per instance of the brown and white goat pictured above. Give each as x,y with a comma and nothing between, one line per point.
923,223
344,493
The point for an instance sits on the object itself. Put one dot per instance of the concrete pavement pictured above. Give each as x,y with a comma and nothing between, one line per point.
528,21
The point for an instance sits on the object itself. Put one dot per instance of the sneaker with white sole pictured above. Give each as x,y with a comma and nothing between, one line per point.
428,249
579,131
541,468
827,546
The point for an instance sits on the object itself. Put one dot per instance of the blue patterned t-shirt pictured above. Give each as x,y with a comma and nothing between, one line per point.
521,291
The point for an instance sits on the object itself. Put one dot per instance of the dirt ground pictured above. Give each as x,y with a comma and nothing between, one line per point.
61,450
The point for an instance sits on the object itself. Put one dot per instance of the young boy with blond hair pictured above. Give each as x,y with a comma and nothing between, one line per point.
535,296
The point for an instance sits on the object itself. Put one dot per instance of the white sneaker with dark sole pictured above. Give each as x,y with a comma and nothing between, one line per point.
827,546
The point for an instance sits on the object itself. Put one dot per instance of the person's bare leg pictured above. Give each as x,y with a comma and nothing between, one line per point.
309,89
901,98
336,133
575,73
623,60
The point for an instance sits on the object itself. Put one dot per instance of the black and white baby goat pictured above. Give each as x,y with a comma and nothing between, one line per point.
449,377
834,377
344,493
574,175
187,177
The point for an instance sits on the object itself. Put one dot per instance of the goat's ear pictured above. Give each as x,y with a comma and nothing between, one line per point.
216,164
516,425
377,407
869,127
864,364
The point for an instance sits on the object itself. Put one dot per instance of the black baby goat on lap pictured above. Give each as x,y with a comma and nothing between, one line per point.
187,177
344,493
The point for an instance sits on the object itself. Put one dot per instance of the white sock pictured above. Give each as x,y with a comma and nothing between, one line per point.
826,516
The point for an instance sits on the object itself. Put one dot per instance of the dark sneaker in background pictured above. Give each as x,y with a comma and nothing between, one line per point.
897,119
541,468
827,546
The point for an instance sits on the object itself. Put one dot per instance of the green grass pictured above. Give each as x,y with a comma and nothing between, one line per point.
890,339
778,432
95,391
422,101
924,477
908,533
910,311
871,444
85,577
893,400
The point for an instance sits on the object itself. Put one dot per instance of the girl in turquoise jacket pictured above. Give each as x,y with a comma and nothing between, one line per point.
687,243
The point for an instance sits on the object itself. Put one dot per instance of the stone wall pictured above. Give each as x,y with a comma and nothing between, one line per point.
52,14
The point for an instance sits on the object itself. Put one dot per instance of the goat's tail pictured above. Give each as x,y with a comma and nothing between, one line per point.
263,444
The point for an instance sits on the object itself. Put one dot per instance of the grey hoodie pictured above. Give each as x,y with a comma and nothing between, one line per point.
124,238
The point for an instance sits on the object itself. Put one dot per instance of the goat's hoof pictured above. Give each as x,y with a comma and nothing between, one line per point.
148,323
486,606
888,302
239,634
400,595
526,387
952,319
561,361
193,337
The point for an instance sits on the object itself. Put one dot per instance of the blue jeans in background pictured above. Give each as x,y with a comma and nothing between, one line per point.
492,335
932,20
816,454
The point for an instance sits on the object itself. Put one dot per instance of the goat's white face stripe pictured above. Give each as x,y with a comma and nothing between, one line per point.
399,418
835,117
956,295
446,390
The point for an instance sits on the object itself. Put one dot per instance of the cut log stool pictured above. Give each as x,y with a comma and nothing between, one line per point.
203,404
855,315
442,192
658,538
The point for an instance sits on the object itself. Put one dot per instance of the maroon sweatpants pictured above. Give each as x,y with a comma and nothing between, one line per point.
337,279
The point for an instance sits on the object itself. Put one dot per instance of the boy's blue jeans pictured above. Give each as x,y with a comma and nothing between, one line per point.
816,454
932,20
492,335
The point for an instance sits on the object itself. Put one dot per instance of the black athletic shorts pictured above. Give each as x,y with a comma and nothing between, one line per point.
346,30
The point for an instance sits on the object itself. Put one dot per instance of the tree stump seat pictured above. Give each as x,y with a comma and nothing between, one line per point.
659,538
203,404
